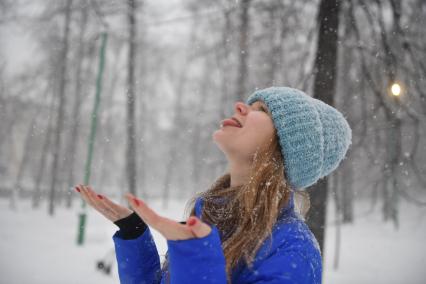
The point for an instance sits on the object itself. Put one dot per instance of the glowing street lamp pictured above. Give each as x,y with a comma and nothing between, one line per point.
396,89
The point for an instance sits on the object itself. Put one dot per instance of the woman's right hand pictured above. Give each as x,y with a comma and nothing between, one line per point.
112,211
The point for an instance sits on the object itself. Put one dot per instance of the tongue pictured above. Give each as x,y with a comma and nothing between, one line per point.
230,122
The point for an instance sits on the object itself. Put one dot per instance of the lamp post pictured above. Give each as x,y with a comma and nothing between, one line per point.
82,215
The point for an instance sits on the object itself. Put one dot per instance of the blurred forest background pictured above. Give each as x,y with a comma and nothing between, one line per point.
173,69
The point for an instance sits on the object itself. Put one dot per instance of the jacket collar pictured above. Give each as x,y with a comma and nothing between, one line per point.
288,209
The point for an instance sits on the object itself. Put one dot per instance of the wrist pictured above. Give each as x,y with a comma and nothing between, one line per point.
131,226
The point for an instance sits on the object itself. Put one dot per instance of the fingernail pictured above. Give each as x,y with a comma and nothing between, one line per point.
77,189
192,221
136,201
100,196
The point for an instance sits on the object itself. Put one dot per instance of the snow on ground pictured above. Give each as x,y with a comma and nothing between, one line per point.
375,252
35,248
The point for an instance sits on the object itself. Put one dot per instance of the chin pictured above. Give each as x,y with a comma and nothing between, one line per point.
217,140
215,134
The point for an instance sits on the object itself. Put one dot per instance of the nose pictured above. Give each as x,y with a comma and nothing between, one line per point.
241,108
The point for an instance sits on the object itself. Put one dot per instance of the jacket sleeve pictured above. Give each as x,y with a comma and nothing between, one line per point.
137,259
197,260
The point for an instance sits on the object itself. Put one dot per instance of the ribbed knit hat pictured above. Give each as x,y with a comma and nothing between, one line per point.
314,137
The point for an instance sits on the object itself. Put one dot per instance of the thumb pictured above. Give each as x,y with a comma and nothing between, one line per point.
198,228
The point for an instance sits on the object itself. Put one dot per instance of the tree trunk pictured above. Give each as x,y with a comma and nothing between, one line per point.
390,186
324,89
60,115
347,191
73,139
131,147
336,179
243,50
275,53
44,157
346,86
17,188
145,118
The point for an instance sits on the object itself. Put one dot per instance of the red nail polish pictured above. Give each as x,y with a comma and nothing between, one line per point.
100,196
77,189
136,201
192,222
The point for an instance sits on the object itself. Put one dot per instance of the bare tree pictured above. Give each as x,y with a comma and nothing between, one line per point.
243,49
17,188
324,89
130,93
44,156
381,68
61,104
76,111
345,85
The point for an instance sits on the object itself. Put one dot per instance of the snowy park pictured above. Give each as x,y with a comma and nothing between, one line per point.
228,141
36,249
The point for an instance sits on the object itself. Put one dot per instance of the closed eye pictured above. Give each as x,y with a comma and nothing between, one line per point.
263,109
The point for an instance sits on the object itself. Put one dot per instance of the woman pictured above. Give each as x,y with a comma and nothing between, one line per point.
245,228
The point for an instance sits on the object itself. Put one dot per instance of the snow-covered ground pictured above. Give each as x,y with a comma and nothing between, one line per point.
35,248
375,252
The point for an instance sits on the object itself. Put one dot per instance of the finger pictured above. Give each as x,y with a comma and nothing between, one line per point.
199,228
121,211
89,196
169,228
85,196
147,214
96,203
98,200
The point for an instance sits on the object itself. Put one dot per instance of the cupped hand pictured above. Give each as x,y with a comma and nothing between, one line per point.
111,210
170,229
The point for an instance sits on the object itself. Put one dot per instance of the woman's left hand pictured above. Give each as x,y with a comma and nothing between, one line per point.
170,229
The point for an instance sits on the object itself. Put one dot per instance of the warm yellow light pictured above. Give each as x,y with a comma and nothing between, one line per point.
396,89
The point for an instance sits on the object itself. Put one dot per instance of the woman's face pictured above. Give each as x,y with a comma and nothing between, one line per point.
257,130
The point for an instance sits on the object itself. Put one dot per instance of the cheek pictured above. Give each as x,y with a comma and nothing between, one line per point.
258,133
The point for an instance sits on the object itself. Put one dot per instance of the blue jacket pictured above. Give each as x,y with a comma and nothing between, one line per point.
291,255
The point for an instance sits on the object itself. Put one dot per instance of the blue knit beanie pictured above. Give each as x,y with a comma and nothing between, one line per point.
314,137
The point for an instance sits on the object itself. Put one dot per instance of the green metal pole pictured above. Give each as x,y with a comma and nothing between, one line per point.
82,215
